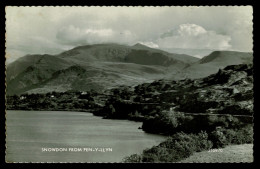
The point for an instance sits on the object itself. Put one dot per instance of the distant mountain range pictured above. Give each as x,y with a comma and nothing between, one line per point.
104,66
214,61
200,53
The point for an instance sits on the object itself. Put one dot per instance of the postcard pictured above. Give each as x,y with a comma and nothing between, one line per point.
119,84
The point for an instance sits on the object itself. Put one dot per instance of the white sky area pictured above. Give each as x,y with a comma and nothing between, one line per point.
51,30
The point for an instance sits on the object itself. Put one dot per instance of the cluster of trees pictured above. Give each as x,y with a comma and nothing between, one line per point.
134,103
170,122
70,100
181,145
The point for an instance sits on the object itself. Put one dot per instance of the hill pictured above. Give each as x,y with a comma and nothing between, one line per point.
227,92
213,62
177,55
137,53
100,66
31,70
199,53
227,57
105,66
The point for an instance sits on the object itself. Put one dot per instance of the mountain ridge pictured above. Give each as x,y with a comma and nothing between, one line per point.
103,66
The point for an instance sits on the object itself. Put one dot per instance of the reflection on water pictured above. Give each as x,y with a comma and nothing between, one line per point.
30,131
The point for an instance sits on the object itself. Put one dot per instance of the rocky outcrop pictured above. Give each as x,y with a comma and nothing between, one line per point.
228,92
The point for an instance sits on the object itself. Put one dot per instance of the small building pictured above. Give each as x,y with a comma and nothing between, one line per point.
84,93
22,97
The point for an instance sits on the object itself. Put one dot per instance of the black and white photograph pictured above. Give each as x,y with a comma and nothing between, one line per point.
129,84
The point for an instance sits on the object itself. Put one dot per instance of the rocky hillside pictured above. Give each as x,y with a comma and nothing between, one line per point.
228,92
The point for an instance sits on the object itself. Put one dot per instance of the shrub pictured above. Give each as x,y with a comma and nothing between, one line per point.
191,142
182,145
161,154
239,136
222,137
151,155
135,158
209,123
230,135
245,135
202,142
176,147
167,122
218,138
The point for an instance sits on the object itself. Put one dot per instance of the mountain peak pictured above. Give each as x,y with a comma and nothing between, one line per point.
140,45
234,57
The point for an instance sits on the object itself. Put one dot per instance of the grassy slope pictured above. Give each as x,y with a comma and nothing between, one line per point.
213,62
230,154
104,64
100,75
30,71
44,61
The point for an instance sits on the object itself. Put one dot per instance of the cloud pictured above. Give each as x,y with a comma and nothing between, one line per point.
150,44
59,28
193,36
191,30
73,35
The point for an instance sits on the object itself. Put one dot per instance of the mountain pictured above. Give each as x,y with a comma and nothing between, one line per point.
213,62
180,56
44,61
105,66
227,57
31,70
137,53
199,53
97,67
142,47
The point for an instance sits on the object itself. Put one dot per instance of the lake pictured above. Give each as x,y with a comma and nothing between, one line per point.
60,136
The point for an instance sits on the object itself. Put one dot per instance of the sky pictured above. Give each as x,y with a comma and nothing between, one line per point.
51,30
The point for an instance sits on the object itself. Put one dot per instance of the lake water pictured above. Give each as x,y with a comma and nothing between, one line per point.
31,134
